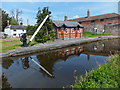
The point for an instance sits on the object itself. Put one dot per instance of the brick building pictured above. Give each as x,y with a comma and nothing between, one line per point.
97,23
67,29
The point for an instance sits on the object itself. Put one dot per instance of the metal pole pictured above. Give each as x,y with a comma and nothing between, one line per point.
38,29
41,66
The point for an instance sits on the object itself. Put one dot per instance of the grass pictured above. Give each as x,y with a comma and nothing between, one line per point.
106,76
90,34
11,43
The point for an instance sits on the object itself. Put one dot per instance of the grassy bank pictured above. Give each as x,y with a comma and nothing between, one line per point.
11,43
90,34
106,76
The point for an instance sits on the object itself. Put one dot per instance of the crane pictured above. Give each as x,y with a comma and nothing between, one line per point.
23,36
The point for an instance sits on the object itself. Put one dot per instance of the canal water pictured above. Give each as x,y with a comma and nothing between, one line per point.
60,66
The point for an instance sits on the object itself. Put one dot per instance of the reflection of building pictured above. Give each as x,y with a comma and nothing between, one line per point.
47,60
102,48
71,51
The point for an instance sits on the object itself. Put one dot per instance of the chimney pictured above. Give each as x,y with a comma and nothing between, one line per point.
88,13
21,24
65,18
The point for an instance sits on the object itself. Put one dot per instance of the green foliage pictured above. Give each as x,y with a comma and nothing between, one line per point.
46,33
31,29
90,34
13,22
5,17
106,76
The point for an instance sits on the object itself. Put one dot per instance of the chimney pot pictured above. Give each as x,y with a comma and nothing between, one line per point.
21,24
88,13
65,18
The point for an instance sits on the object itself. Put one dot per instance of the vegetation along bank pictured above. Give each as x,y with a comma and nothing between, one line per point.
106,76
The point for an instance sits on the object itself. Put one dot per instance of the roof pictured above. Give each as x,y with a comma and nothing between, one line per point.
66,23
16,27
103,16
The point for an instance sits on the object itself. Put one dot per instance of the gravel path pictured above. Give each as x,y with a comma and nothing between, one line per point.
54,45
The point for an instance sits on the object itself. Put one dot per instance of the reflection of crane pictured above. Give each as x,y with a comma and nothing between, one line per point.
41,67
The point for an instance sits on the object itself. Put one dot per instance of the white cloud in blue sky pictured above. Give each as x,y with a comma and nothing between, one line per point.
60,9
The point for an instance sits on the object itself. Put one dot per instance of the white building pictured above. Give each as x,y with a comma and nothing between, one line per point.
15,30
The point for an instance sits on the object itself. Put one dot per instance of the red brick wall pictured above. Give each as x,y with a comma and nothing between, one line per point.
59,33
106,21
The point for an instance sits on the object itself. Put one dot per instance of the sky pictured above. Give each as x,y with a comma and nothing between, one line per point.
60,9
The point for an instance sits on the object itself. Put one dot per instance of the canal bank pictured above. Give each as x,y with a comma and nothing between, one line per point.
55,45
105,76
63,64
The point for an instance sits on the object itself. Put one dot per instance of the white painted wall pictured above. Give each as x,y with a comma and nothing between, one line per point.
11,32
8,32
17,32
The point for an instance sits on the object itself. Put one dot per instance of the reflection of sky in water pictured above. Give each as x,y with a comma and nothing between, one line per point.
62,70
62,64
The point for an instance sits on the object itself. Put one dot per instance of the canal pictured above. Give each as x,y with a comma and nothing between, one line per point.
62,65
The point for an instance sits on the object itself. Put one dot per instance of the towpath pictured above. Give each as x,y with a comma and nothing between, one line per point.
54,45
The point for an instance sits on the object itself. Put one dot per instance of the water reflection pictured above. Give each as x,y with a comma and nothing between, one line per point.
58,66
5,83
25,62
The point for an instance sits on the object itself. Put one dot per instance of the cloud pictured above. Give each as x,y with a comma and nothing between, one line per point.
76,16
29,11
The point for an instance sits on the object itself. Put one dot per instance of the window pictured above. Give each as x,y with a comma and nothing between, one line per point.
111,19
14,34
92,21
109,23
73,30
80,22
14,30
79,30
95,30
101,20
23,30
66,30
62,28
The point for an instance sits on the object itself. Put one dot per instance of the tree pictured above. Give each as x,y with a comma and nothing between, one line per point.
5,18
13,22
31,29
15,15
46,33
